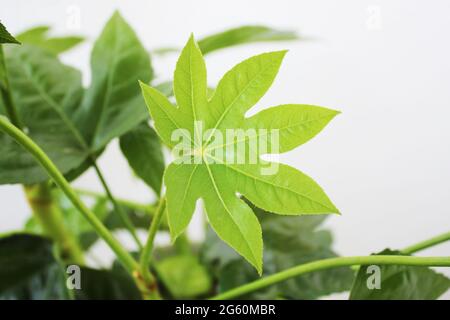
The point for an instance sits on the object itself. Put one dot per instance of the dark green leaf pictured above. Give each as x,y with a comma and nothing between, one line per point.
106,285
183,276
243,35
113,104
3,78
46,94
38,36
288,241
399,283
142,148
5,36
28,269
73,174
48,97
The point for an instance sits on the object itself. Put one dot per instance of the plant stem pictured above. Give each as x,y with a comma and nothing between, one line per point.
149,209
117,207
148,249
49,216
39,196
427,243
5,89
13,115
124,257
333,263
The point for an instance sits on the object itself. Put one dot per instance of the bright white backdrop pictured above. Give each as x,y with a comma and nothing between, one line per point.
385,161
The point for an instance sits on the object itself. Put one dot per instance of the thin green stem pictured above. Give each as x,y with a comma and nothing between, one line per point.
147,208
5,89
333,263
148,249
124,257
13,115
117,207
49,216
44,208
421,245
427,243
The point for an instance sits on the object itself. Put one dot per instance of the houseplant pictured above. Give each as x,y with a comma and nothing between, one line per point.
54,130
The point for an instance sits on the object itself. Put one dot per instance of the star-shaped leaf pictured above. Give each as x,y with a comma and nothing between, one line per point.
217,170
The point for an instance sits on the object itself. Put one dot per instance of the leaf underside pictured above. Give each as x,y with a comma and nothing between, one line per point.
28,269
288,192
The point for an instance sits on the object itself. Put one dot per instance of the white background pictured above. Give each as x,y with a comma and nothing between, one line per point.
385,162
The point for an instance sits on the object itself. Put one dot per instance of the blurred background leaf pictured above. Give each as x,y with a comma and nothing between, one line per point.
400,283
29,270
46,94
113,103
288,241
243,35
143,150
38,36
235,37
106,285
102,208
183,276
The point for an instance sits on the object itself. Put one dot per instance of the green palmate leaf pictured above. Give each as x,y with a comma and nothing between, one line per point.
183,276
38,36
46,94
106,285
243,35
398,282
288,241
142,149
5,36
210,168
113,104
28,269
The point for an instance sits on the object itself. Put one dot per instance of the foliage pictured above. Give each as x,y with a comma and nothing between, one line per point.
38,37
400,283
29,270
202,174
53,118
289,241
